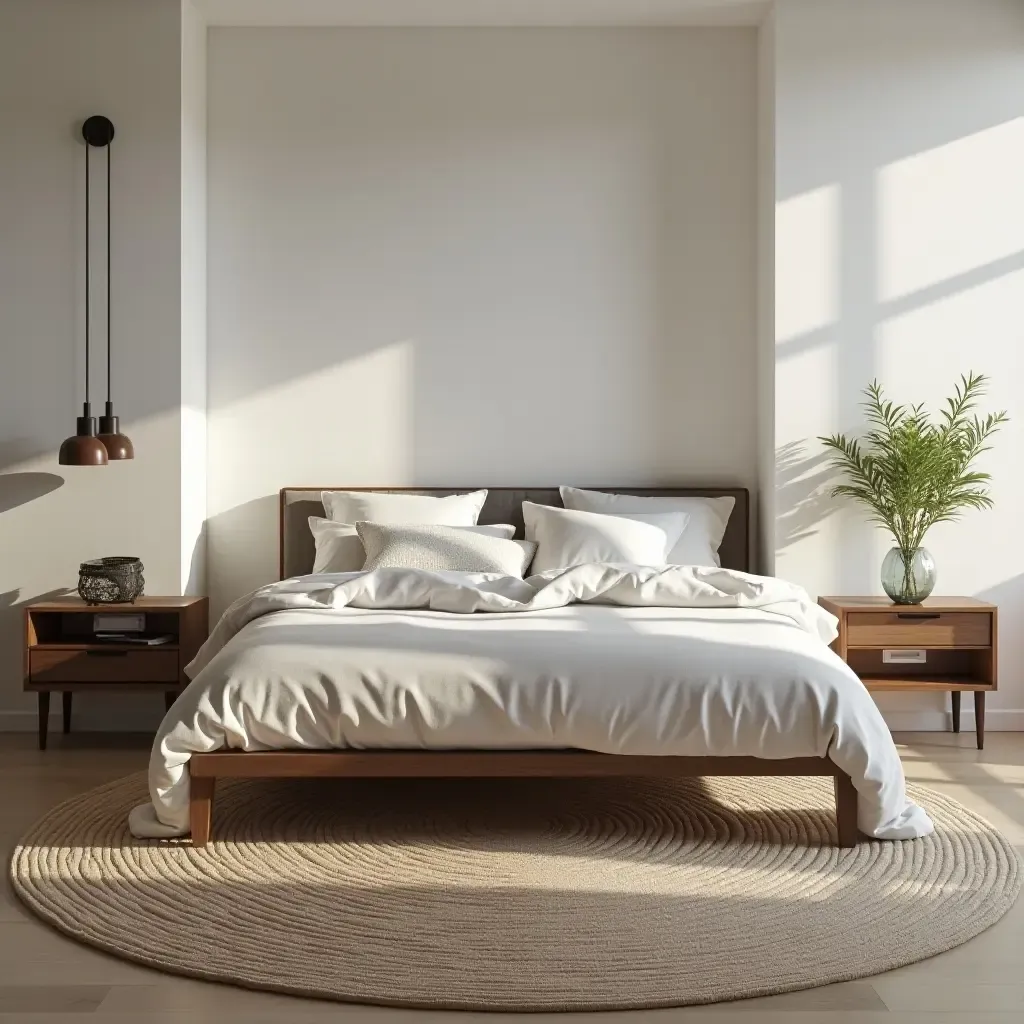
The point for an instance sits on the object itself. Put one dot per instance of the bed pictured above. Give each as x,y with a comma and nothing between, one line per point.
790,700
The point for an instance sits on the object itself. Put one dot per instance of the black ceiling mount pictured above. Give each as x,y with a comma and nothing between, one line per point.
98,130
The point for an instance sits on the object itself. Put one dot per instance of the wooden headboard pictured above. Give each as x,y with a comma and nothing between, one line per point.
503,505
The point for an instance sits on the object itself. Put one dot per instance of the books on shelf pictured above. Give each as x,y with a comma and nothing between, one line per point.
135,638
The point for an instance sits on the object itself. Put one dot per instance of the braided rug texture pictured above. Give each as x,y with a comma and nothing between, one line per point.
516,894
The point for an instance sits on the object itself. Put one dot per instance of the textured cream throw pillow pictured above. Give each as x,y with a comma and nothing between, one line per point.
442,549
339,549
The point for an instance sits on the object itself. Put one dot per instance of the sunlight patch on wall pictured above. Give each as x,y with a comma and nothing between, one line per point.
807,247
358,415
807,268
950,210
921,354
807,369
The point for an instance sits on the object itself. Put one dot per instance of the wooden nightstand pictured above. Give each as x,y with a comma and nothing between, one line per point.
944,643
62,652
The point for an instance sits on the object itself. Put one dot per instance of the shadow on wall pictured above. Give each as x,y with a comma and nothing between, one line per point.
12,628
196,583
245,539
20,488
803,493
9,599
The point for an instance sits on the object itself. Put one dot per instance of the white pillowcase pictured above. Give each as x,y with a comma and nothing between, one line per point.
565,537
378,507
442,549
339,549
700,540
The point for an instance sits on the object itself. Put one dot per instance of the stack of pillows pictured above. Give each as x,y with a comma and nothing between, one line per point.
369,530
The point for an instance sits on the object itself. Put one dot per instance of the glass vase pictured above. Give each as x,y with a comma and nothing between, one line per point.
908,584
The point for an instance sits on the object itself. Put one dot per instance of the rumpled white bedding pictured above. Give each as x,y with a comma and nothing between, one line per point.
672,660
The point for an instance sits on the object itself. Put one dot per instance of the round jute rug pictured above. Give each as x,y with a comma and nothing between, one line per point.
516,894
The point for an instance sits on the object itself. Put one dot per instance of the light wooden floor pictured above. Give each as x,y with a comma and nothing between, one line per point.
45,978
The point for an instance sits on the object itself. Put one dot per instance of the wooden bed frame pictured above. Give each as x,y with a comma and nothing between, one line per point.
503,505
205,769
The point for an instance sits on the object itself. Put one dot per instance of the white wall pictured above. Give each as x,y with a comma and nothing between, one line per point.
475,257
60,61
766,295
899,143
193,300
423,241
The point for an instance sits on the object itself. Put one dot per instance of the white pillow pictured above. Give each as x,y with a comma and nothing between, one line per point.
378,507
699,542
339,549
565,537
442,549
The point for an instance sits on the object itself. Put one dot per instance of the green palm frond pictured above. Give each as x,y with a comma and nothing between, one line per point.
911,472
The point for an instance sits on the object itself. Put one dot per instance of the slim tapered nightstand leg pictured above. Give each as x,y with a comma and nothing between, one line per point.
66,708
955,697
44,717
979,717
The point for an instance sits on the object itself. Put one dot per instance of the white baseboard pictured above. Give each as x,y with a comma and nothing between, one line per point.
996,720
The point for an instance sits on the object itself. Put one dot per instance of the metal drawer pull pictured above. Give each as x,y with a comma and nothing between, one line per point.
107,654
918,615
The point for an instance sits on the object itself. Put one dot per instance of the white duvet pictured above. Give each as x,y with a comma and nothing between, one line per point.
627,660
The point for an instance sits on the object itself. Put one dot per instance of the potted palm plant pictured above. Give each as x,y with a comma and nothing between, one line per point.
912,473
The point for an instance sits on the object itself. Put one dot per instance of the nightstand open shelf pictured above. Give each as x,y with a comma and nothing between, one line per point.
955,637
63,653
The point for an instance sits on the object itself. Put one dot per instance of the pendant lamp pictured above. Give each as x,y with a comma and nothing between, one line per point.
89,447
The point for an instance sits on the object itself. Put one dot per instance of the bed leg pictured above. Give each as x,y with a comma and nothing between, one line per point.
200,809
846,810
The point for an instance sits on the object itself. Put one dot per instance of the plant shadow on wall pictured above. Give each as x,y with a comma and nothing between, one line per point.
803,490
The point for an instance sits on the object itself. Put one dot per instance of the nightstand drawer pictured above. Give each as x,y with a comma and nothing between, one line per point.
918,629
100,666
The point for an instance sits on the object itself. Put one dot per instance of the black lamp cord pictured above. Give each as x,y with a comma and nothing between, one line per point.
109,148
87,251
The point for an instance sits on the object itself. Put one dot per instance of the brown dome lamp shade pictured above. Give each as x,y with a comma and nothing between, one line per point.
117,445
83,448
89,447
